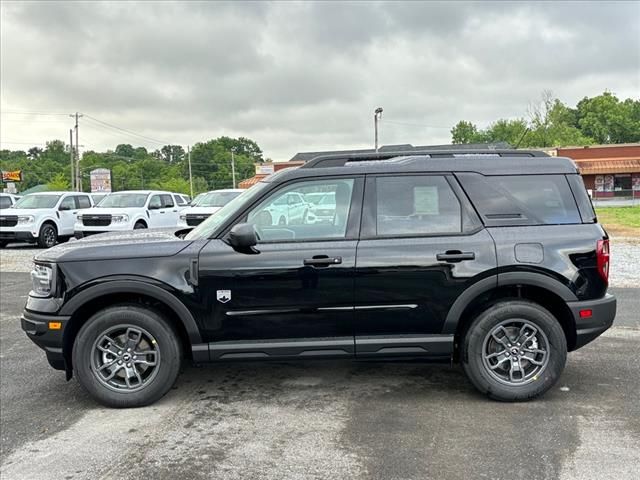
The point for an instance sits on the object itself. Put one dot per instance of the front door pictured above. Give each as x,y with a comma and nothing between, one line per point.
421,246
294,296
67,212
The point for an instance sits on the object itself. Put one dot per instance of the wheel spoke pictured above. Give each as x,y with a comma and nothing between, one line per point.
111,345
133,337
503,339
526,333
516,373
113,373
143,357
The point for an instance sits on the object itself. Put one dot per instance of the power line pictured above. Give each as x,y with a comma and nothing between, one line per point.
155,140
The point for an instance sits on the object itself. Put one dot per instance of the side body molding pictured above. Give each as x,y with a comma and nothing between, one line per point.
501,280
130,286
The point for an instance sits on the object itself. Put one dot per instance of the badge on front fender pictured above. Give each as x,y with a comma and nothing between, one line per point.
223,296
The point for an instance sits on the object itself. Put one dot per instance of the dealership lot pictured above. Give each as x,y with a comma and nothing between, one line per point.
322,419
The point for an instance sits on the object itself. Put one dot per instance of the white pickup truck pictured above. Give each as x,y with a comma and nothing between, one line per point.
129,210
43,218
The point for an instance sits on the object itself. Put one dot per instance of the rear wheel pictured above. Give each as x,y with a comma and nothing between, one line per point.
513,351
139,225
127,356
48,236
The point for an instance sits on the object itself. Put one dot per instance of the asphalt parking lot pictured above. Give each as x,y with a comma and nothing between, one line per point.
323,420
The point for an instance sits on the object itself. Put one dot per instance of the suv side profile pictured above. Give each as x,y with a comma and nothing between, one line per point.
129,210
493,260
43,218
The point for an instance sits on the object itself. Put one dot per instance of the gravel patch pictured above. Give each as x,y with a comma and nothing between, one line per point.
625,261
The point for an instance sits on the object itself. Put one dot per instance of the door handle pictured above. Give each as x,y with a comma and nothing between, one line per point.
161,211
454,256
322,261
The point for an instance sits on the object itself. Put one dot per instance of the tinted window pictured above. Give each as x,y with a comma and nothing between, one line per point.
416,205
83,202
179,200
167,201
281,217
522,199
5,202
155,202
68,203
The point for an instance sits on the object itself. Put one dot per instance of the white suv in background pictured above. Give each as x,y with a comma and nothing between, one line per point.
129,210
208,204
8,200
43,217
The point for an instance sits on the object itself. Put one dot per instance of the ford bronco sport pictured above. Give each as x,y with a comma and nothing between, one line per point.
494,260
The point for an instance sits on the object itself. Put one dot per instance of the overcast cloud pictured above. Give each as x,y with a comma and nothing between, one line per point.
301,77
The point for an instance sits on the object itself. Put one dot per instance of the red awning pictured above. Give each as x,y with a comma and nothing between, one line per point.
250,182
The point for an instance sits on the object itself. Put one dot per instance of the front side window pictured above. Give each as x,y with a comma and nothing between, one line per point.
37,201
155,202
84,202
416,205
284,216
68,203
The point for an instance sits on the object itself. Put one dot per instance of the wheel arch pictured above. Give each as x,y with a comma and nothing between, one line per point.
83,305
547,292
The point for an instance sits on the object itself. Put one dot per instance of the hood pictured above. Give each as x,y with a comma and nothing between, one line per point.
27,211
200,210
154,242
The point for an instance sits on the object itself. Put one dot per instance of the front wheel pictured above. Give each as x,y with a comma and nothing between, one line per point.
127,356
514,351
139,226
48,236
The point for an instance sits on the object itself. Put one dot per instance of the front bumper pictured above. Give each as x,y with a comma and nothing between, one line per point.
37,326
603,311
14,235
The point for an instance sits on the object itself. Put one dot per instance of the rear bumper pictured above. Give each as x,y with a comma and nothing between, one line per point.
603,311
37,328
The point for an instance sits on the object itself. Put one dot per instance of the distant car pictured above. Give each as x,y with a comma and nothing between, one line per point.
324,209
128,210
8,200
43,218
289,209
97,197
208,204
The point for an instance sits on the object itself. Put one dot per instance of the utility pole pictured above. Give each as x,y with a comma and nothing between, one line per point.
78,185
233,166
190,177
73,170
377,115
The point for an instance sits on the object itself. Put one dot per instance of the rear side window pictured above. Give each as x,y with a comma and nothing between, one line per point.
521,199
83,202
416,205
167,201
179,200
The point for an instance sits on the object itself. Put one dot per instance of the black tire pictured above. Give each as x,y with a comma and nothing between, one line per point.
139,225
110,321
48,236
486,354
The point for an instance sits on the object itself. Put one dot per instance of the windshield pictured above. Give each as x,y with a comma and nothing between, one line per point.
196,201
124,200
98,198
211,224
37,201
217,199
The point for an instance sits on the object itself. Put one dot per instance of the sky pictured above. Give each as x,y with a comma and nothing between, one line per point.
299,76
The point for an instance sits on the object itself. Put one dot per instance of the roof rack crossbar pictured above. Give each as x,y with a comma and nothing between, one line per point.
339,160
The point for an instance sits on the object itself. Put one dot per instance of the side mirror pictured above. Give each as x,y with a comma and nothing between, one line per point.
64,207
243,238
155,206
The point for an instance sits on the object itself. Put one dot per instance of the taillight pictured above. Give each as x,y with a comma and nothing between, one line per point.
602,254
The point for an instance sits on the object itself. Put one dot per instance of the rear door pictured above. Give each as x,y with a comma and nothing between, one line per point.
421,246
169,211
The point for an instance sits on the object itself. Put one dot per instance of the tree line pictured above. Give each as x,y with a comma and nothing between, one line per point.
134,168
551,123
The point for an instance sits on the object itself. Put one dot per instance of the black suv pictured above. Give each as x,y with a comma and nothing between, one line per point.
494,260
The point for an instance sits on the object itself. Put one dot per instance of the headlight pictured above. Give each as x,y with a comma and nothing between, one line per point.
42,280
120,218
79,218
183,217
24,220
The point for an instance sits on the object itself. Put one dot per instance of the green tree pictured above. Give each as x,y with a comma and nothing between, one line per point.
464,132
125,150
608,120
60,182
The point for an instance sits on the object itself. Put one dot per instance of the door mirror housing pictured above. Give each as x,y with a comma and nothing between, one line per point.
64,207
243,238
155,206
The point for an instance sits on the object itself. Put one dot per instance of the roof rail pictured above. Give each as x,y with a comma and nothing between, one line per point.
339,160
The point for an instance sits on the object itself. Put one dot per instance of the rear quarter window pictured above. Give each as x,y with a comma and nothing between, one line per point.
521,199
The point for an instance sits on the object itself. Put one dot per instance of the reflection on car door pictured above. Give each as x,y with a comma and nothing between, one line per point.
67,212
170,216
421,246
294,297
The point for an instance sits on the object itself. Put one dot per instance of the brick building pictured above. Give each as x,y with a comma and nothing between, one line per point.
608,170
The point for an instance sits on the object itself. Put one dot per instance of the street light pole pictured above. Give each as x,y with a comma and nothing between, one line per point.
377,115
233,167
190,177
